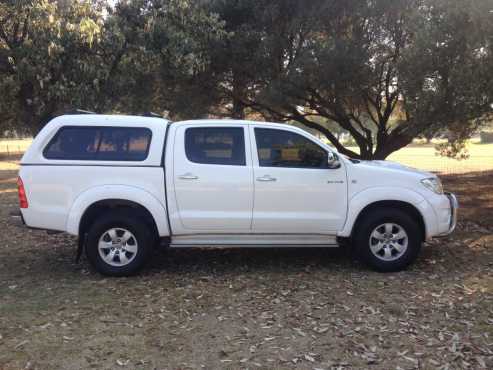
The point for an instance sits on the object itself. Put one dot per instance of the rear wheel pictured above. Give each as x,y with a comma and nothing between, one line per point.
388,240
119,244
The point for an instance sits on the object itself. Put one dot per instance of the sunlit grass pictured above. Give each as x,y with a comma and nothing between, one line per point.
8,165
9,146
425,157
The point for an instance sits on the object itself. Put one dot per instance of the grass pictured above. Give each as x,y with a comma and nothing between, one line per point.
424,157
294,308
8,146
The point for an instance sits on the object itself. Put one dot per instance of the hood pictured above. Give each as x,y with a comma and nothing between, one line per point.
395,166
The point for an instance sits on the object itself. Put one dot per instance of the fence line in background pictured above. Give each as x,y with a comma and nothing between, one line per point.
447,166
12,150
9,147
433,163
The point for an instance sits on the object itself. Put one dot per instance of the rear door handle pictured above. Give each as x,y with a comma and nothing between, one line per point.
188,176
266,178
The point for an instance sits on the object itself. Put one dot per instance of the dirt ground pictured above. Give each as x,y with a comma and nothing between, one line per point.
251,309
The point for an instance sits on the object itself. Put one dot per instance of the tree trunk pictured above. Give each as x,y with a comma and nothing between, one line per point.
387,147
238,111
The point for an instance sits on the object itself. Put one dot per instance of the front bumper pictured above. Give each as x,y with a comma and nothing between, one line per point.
454,206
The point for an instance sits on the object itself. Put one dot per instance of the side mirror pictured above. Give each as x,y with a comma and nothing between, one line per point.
333,160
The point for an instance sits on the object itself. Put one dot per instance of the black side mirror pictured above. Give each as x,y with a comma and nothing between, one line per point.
333,160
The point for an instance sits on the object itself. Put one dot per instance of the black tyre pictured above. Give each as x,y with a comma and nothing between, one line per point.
119,243
388,240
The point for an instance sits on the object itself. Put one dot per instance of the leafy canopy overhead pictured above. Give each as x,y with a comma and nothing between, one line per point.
57,55
384,71
381,71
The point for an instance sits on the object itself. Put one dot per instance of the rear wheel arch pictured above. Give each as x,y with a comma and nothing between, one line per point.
97,209
406,207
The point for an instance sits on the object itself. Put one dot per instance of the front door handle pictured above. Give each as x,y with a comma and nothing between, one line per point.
188,176
266,178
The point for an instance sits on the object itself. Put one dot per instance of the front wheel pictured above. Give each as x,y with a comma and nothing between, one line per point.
388,240
119,244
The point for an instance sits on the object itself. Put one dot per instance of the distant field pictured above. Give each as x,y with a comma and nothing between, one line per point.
14,146
424,157
421,156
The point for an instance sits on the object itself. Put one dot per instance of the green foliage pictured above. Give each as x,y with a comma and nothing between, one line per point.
59,55
383,71
38,42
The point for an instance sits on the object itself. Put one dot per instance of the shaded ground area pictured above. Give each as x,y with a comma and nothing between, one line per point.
251,309
475,192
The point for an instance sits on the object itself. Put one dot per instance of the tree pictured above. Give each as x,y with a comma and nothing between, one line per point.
38,68
232,55
133,57
385,71
160,60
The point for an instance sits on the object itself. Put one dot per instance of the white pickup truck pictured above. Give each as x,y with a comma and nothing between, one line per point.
124,184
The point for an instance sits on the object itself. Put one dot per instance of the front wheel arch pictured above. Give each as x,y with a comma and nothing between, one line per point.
408,208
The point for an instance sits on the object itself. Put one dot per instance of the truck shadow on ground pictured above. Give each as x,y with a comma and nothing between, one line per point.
253,259
51,259
274,260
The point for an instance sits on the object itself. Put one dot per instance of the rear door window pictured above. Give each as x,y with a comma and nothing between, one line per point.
99,144
216,145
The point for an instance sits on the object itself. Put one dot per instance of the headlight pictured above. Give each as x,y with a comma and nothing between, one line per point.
434,184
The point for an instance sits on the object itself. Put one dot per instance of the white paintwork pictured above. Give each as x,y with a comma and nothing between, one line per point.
209,197
373,181
215,204
153,202
297,200
59,191
374,194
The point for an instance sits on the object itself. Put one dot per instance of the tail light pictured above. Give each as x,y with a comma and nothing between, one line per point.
22,194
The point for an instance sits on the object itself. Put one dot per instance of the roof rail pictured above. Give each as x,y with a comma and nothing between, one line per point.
152,114
80,111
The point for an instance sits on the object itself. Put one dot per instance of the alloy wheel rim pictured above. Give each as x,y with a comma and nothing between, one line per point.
117,247
388,241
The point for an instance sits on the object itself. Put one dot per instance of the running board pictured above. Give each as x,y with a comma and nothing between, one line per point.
217,246
253,240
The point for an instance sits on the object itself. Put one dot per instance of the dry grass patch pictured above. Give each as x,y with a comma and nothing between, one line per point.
250,309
